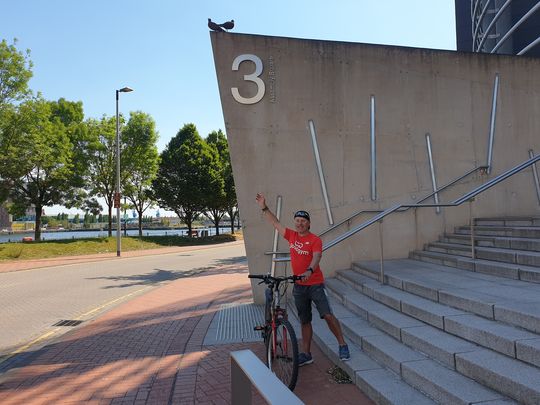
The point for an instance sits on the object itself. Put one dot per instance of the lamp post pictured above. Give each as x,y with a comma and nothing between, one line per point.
117,193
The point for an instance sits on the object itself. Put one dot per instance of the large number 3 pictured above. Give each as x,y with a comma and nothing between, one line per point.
254,77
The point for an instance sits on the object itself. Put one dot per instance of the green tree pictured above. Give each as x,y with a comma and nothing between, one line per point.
229,202
38,158
15,72
216,202
140,161
102,161
187,175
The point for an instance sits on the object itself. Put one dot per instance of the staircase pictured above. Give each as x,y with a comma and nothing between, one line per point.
445,328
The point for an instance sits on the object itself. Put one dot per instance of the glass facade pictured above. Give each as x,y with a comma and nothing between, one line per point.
498,26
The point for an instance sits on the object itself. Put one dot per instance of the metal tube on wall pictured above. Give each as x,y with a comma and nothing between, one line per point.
492,122
320,170
276,236
373,150
535,175
432,172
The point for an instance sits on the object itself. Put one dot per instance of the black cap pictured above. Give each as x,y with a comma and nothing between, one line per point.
302,214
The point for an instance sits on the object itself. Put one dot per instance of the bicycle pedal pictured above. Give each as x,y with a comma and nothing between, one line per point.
258,327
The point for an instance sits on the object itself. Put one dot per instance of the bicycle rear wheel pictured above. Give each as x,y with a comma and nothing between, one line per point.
282,353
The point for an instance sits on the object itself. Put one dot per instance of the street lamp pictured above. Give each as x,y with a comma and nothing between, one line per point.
117,193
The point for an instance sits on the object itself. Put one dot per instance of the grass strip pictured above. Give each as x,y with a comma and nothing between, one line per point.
87,246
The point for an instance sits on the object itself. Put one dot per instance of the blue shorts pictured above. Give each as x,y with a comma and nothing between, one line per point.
304,295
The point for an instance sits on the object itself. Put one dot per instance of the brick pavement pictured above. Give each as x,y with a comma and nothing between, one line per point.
150,351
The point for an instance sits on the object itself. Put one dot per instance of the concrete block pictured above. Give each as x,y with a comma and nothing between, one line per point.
530,275
525,244
391,321
389,298
389,352
422,290
444,385
506,270
528,258
486,333
386,388
499,255
524,314
489,222
393,281
466,300
357,328
365,271
465,263
529,351
518,222
509,376
436,344
359,361
427,311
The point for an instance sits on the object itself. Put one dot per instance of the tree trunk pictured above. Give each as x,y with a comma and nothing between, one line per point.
37,231
110,221
140,223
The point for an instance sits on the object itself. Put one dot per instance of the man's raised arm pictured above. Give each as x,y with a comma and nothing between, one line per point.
269,215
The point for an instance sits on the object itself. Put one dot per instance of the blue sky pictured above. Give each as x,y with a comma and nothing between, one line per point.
86,49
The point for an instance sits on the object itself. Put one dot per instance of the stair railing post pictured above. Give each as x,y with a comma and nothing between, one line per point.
471,224
382,251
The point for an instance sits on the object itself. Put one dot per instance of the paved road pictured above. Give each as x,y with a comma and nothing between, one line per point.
32,301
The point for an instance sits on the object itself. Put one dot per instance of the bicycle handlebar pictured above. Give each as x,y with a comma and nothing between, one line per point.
267,278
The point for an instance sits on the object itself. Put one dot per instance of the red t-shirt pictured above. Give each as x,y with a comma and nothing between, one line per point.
302,249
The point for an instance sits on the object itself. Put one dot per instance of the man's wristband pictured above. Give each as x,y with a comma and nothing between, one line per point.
310,269
265,209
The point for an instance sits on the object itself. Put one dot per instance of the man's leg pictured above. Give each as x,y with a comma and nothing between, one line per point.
335,327
318,295
307,335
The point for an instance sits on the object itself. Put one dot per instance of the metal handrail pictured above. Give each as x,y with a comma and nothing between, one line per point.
451,183
466,197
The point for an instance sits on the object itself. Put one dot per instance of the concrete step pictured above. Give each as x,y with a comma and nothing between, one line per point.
516,271
511,377
412,355
493,241
526,257
510,301
491,334
415,368
379,383
511,231
508,221
449,248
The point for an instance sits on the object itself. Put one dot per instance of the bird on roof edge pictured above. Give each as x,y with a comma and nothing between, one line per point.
220,27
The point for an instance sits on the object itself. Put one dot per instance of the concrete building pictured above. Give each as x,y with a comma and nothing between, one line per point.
348,130
498,26
335,128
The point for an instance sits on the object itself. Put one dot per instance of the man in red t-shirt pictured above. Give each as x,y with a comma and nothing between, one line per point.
306,253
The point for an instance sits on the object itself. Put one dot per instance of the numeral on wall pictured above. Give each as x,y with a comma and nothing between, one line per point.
253,77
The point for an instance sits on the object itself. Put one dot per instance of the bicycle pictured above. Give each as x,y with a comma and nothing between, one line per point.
278,334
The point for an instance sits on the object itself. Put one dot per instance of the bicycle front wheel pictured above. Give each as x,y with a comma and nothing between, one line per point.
282,353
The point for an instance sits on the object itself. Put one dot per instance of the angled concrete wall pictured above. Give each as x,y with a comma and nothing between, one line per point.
416,91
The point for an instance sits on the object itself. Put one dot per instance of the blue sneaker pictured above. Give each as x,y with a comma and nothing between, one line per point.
344,354
304,359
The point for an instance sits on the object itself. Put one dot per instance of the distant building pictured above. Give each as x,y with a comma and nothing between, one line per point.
498,26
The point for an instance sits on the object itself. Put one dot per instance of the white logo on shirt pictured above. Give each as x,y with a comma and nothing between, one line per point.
297,247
